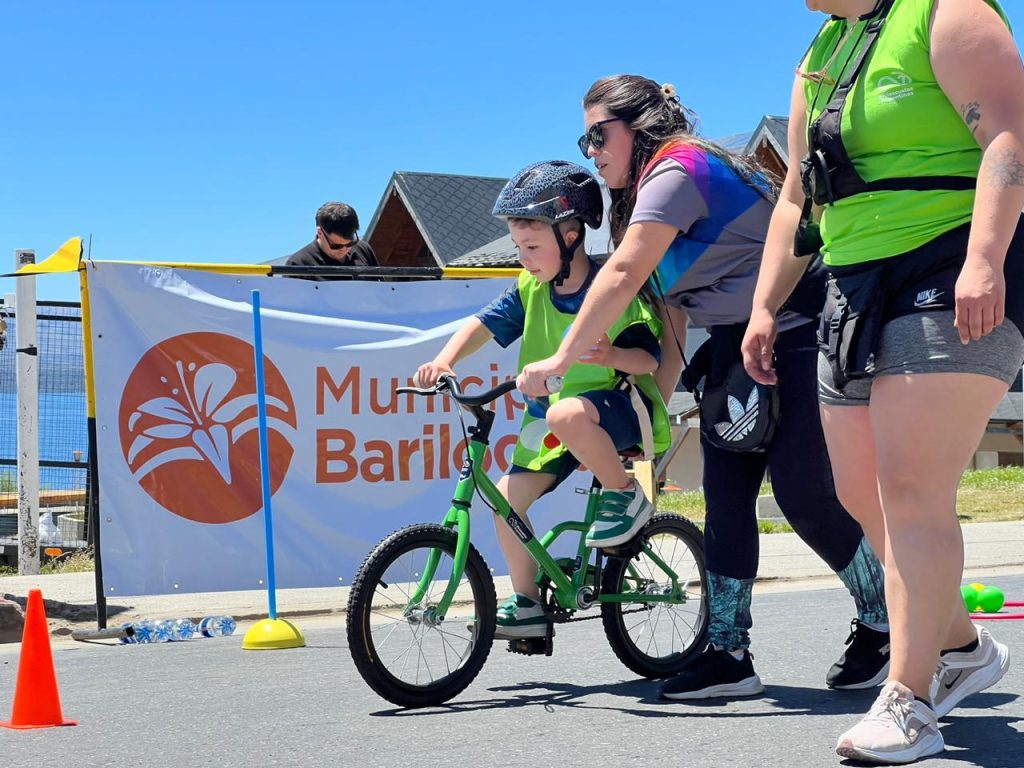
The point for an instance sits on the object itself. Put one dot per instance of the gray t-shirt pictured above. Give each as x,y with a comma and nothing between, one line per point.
710,269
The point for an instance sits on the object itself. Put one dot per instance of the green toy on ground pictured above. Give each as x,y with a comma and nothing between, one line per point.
978,597
970,595
991,599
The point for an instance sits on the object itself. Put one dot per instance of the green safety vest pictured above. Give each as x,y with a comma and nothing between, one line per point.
543,330
897,122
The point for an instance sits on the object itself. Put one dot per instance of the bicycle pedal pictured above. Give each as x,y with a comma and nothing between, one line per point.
623,551
531,646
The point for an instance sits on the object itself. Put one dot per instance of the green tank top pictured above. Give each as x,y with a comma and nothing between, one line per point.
543,330
897,122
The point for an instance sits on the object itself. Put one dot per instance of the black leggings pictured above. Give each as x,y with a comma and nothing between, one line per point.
801,476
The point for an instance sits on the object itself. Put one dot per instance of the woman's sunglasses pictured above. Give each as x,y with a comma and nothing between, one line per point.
594,137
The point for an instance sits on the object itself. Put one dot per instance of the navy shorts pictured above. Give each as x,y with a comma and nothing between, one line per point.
617,418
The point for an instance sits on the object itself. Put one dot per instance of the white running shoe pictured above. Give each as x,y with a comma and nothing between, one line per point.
961,674
897,729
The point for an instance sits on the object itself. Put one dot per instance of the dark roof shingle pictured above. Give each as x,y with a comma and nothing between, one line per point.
497,253
453,212
776,130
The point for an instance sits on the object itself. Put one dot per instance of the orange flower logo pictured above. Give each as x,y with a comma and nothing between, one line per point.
189,430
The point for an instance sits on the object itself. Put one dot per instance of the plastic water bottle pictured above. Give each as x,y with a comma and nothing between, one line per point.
217,626
161,632
181,629
142,632
169,630
130,638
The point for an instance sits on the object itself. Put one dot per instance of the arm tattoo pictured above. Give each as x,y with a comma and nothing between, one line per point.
971,113
1004,170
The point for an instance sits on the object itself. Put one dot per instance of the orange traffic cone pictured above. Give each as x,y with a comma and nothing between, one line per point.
36,700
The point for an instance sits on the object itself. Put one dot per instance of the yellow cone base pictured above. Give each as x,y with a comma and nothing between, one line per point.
273,634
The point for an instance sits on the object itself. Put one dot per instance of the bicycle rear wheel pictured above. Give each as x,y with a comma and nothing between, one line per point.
655,639
402,652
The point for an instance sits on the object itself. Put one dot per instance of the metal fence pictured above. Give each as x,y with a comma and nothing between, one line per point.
63,431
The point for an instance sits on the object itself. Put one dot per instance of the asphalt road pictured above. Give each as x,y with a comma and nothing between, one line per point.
207,702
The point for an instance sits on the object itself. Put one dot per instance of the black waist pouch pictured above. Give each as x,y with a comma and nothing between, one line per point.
851,324
736,413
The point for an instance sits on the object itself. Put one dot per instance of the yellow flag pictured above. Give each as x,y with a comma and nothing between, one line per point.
64,259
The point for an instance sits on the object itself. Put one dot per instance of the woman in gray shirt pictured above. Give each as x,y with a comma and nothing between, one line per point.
689,220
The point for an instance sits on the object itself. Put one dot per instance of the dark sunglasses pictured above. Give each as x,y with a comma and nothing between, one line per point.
338,246
594,137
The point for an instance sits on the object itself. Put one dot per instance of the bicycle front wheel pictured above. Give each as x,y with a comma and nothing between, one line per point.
656,638
399,646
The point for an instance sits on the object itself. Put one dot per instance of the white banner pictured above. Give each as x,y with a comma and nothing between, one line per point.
180,501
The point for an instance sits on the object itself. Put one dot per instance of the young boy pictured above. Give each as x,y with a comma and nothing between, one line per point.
592,418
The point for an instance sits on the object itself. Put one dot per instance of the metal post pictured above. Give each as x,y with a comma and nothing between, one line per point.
28,418
92,499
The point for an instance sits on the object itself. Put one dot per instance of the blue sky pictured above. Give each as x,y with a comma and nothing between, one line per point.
211,132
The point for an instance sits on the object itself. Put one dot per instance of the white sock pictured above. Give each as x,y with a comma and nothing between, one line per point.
736,653
879,627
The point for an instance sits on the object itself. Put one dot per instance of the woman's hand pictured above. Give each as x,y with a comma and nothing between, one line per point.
531,382
980,299
600,353
428,373
758,343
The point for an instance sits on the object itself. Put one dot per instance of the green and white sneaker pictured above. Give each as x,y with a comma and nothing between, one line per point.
520,617
619,516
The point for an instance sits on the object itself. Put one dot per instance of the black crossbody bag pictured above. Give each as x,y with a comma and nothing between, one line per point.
736,412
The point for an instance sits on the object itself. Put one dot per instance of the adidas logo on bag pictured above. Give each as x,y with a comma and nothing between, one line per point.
742,419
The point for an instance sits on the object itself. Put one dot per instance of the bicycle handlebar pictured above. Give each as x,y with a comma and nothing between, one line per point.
450,385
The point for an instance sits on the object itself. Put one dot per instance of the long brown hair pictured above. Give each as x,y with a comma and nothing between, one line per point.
657,117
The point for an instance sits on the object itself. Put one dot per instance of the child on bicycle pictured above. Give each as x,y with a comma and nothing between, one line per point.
592,418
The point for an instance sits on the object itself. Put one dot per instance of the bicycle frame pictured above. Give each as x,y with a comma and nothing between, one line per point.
567,591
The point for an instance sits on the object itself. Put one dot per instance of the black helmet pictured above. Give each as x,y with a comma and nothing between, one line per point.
552,192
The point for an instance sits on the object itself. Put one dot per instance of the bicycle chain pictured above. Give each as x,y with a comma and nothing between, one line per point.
567,617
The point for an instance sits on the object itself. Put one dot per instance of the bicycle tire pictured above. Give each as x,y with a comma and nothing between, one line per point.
614,616
366,638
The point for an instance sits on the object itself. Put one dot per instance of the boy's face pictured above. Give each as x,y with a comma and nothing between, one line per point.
538,248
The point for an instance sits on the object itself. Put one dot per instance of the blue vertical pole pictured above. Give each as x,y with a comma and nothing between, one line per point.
261,415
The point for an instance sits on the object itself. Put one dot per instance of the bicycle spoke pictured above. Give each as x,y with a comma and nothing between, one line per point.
391,630
669,627
445,645
675,629
654,638
412,644
425,662
409,644
640,623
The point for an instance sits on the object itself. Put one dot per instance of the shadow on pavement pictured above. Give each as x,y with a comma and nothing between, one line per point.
775,701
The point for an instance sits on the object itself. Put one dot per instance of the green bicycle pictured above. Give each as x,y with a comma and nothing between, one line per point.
422,608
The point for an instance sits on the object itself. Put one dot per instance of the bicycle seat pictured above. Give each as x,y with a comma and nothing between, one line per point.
631,453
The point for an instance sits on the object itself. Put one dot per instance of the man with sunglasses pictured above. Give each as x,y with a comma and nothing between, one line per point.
336,244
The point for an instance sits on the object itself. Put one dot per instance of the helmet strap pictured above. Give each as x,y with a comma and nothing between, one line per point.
567,252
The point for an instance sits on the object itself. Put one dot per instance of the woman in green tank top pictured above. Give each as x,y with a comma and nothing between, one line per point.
910,114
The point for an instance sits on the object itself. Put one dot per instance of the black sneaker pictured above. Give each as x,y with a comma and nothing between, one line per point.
864,663
712,674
